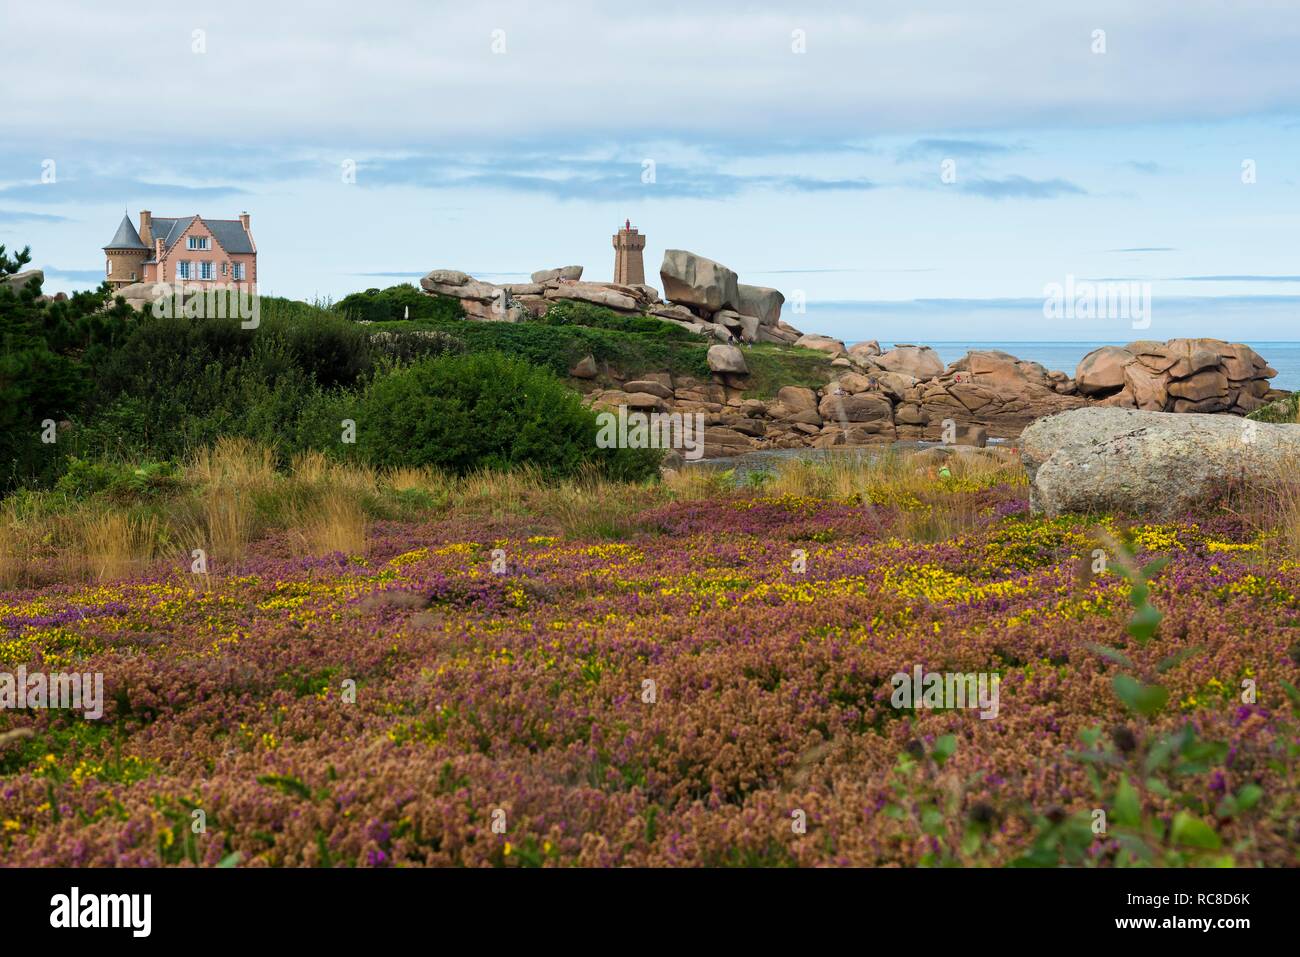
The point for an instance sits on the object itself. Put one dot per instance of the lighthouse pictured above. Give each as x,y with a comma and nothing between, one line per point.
629,266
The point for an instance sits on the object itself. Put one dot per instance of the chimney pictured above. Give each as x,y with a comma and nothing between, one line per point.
146,227
243,220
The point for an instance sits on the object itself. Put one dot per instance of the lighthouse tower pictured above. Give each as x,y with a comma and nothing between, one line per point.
629,266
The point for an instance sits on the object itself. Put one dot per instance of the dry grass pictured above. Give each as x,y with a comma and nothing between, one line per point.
695,483
11,551
496,493
1272,508
237,462
236,496
335,523
116,545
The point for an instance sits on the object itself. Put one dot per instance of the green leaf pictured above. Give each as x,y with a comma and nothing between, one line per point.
1191,831
1128,806
1176,659
1249,796
1146,619
230,860
290,786
1144,699
1291,692
1113,654
944,747
1153,568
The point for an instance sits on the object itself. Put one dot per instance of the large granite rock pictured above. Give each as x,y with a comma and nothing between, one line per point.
20,279
920,362
728,359
832,347
596,293
1102,370
573,273
863,407
696,281
459,285
761,302
1181,375
1153,465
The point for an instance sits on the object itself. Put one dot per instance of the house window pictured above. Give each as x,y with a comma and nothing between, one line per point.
205,270
197,242
239,270
133,277
225,268
183,269
110,267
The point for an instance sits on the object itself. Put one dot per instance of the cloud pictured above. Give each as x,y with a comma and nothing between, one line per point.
411,75
1236,278
77,275
97,189
567,177
1021,187
965,149
22,216
1149,167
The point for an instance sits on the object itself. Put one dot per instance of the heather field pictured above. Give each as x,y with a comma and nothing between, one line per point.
508,672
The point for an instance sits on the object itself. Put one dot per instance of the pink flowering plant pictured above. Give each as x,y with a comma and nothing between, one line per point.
669,674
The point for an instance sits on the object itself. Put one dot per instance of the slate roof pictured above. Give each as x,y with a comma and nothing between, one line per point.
228,232
169,230
126,237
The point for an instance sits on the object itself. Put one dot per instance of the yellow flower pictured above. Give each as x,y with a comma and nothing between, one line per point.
508,849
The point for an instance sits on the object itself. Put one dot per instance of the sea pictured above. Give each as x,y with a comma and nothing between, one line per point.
1065,356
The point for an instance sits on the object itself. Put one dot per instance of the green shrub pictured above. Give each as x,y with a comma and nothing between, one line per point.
485,410
1284,411
567,312
122,483
403,301
402,346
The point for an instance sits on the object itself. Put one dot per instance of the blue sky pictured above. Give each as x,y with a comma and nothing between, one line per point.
507,138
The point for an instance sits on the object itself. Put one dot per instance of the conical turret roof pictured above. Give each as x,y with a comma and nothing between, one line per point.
126,237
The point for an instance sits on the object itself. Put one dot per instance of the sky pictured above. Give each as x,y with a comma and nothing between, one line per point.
901,171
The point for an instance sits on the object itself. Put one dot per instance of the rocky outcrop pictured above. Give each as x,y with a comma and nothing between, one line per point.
1152,464
1181,375
870,395
702,296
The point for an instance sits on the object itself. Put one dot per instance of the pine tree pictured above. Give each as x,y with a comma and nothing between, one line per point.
46,349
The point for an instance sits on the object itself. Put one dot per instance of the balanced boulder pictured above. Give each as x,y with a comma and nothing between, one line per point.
696,281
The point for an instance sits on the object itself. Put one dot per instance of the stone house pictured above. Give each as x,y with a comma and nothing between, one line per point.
190,249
